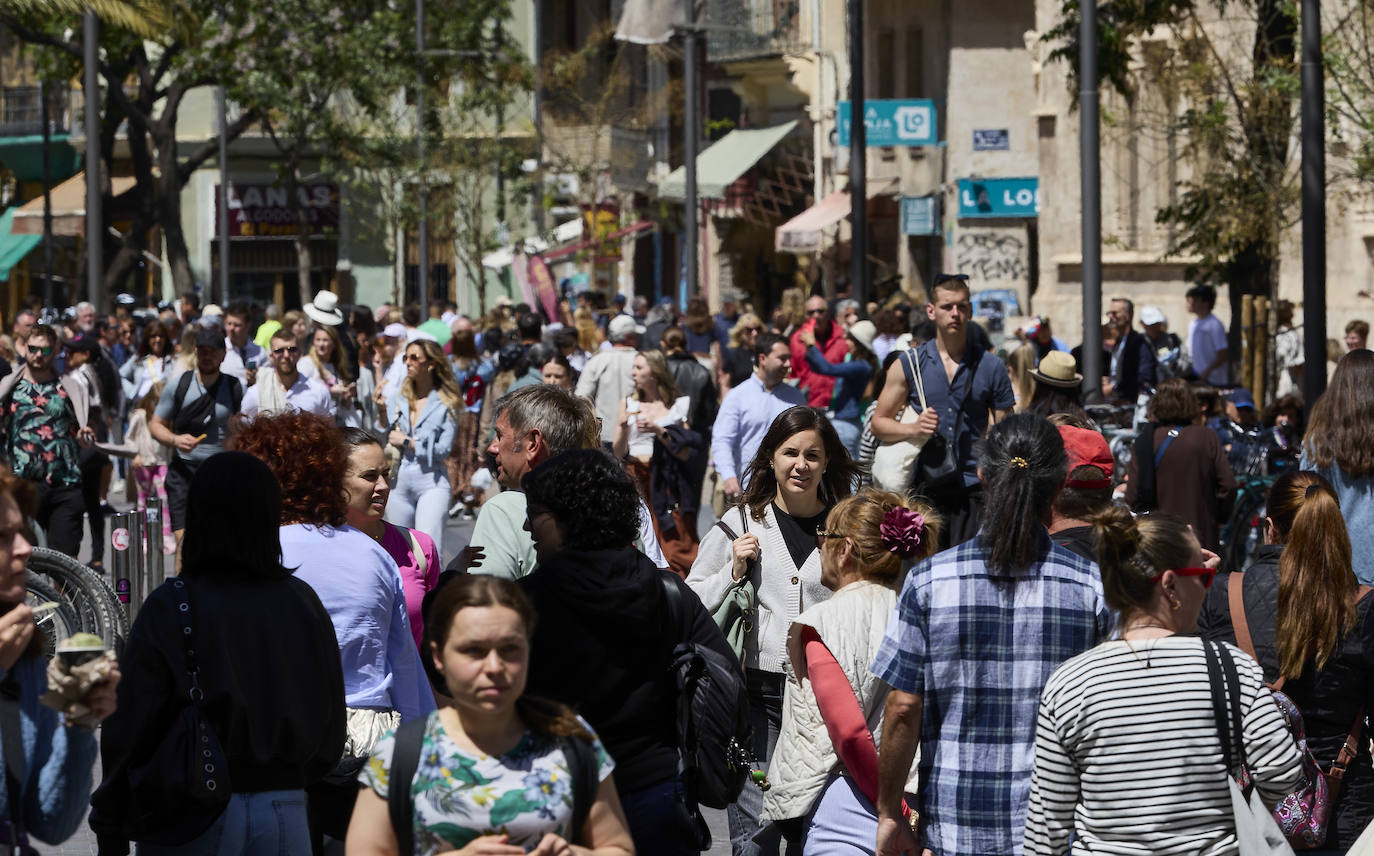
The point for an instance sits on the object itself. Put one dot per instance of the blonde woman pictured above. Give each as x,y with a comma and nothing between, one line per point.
423,420
737,357
589,336
791,312
323,362
1020,364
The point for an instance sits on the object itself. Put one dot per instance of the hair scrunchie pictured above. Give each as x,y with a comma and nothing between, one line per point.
901,531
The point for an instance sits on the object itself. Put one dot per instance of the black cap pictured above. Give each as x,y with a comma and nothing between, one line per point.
83,342
210,337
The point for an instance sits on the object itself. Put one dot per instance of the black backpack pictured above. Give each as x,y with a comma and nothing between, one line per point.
712,719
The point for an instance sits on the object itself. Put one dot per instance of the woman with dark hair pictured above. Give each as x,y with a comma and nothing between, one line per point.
152,364
605,639
701,332
472,374
1312,631
1340,446
1191,477
1128,758
798,474
265,659
1057,386
365,481
359,584
493,774
56,757
826,784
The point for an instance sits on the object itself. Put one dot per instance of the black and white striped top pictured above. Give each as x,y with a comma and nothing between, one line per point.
1127,753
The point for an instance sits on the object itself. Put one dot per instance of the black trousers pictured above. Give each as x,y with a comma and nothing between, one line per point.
60,508
93,462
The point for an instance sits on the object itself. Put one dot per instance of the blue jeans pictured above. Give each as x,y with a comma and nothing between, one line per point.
419,500
656,820
765,715
849,432
267,823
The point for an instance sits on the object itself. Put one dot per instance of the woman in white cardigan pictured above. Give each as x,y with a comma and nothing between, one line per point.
824,769
799,472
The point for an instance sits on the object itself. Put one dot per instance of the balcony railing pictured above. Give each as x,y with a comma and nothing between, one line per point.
21,111
746,29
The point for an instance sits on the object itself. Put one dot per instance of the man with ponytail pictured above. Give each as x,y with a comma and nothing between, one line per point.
976,633
1311,629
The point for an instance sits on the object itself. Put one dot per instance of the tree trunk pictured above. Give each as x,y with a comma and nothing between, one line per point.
302,239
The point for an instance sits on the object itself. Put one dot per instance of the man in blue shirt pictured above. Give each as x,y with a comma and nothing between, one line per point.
750,408
966,392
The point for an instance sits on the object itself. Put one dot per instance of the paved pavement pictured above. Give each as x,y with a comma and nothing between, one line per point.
455,539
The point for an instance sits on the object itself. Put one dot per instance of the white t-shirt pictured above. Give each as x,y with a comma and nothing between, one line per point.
305,394
1207,336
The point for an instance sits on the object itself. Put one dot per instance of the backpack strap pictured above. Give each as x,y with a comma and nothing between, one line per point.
421,563
405,760
583,770
235,395
1164,447
183,386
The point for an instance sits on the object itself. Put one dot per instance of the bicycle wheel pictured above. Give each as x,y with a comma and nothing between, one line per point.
59,624
1244,532
95,603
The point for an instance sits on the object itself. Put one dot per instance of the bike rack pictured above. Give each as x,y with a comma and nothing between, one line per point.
138,558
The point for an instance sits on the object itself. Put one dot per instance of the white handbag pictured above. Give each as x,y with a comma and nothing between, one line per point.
894,464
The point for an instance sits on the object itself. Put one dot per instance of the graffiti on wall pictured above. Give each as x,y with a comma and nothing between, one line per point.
988,255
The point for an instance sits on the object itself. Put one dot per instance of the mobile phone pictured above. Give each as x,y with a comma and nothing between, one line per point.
251,363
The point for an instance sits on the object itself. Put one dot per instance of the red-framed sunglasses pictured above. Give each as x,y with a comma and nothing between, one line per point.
1205,573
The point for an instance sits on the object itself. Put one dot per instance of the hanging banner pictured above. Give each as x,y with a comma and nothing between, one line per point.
542,282
520,269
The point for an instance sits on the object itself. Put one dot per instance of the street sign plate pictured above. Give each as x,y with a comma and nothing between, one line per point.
892,122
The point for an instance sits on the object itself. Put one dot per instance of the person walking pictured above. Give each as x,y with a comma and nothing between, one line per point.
606,379
826,785
852,376
980,627
829,338
46,426
1128,756
242,356
1304,617
151,365
47,761
1338,447
325,363
262,652
1207,338
748,411
966,390
801,469
286,387
423,421
495,773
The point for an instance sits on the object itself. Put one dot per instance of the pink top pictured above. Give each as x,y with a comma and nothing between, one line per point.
395,542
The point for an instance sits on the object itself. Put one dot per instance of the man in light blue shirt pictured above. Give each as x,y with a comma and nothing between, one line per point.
750,408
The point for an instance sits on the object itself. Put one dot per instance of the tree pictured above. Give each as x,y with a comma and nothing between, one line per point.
1236,115
148,18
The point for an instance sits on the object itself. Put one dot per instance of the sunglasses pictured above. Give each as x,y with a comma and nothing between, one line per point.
415,358
289,349
1206,575
753,329
816,311
822,535
45,351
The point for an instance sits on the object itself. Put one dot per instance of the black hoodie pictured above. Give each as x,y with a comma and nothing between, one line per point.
603,644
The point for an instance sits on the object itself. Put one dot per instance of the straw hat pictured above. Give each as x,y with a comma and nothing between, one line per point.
324,309
1057,369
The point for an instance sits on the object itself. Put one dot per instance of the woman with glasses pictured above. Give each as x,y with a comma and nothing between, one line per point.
152,364
826,780
1312,631
1128,757
423,420
800,471
737,358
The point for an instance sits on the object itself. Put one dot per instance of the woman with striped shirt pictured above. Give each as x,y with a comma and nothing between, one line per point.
1127,754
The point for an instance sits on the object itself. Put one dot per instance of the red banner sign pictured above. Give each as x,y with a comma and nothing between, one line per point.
265,210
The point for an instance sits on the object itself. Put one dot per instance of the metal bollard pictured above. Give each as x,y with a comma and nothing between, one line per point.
156,558
120,558
138,573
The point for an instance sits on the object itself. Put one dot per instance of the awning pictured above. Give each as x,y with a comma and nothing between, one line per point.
725,161
68,206
24,157
570,230
13,248
633,229
802,234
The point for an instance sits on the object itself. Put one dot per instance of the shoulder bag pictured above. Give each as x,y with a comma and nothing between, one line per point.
938,467
894,464
735,615
1256,832
183,787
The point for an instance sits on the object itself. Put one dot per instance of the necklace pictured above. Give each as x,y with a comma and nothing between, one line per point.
1149,650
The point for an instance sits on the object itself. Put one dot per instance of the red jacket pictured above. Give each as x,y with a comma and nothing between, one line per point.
818,388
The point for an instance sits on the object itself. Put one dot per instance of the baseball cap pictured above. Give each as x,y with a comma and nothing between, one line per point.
394,331
1151,315
1087,449
1241,397
622,325
124,299
83,342
210,337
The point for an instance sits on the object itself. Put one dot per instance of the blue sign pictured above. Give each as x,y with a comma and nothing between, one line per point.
905,122
999,197
921,215
991,140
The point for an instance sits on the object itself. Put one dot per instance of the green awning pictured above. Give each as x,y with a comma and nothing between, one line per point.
24,157
13,248
725,161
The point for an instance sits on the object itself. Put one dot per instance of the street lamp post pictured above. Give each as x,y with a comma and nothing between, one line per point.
858,159
1089,152
1313,207
95,229
422,245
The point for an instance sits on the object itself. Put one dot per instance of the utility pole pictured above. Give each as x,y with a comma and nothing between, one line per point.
1313,207
223,110
858,159
422,248
47,193
95,228
692,118
1089,153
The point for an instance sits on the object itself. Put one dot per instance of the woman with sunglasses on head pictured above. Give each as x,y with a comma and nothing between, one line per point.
737,357
152,364
1312,630
325,361
423,422
826,760
800,471
1128,757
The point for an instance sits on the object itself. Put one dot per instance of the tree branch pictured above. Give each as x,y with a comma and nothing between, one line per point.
210,147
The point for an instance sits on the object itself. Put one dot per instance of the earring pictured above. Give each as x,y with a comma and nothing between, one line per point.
1174,604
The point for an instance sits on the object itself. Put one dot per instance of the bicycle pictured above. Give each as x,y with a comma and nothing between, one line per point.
86,602
1120,437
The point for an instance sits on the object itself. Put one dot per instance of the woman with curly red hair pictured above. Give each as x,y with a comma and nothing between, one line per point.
360,586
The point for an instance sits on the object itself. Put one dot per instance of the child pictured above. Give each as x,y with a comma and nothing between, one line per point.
150,460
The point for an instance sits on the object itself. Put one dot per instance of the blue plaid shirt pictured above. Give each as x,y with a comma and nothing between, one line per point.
979,649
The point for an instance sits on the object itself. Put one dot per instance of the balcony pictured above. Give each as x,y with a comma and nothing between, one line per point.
21,112
751,29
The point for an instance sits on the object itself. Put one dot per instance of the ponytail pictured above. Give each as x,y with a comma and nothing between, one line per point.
1024,464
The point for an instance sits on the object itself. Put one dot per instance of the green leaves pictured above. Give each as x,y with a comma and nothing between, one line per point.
159,20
